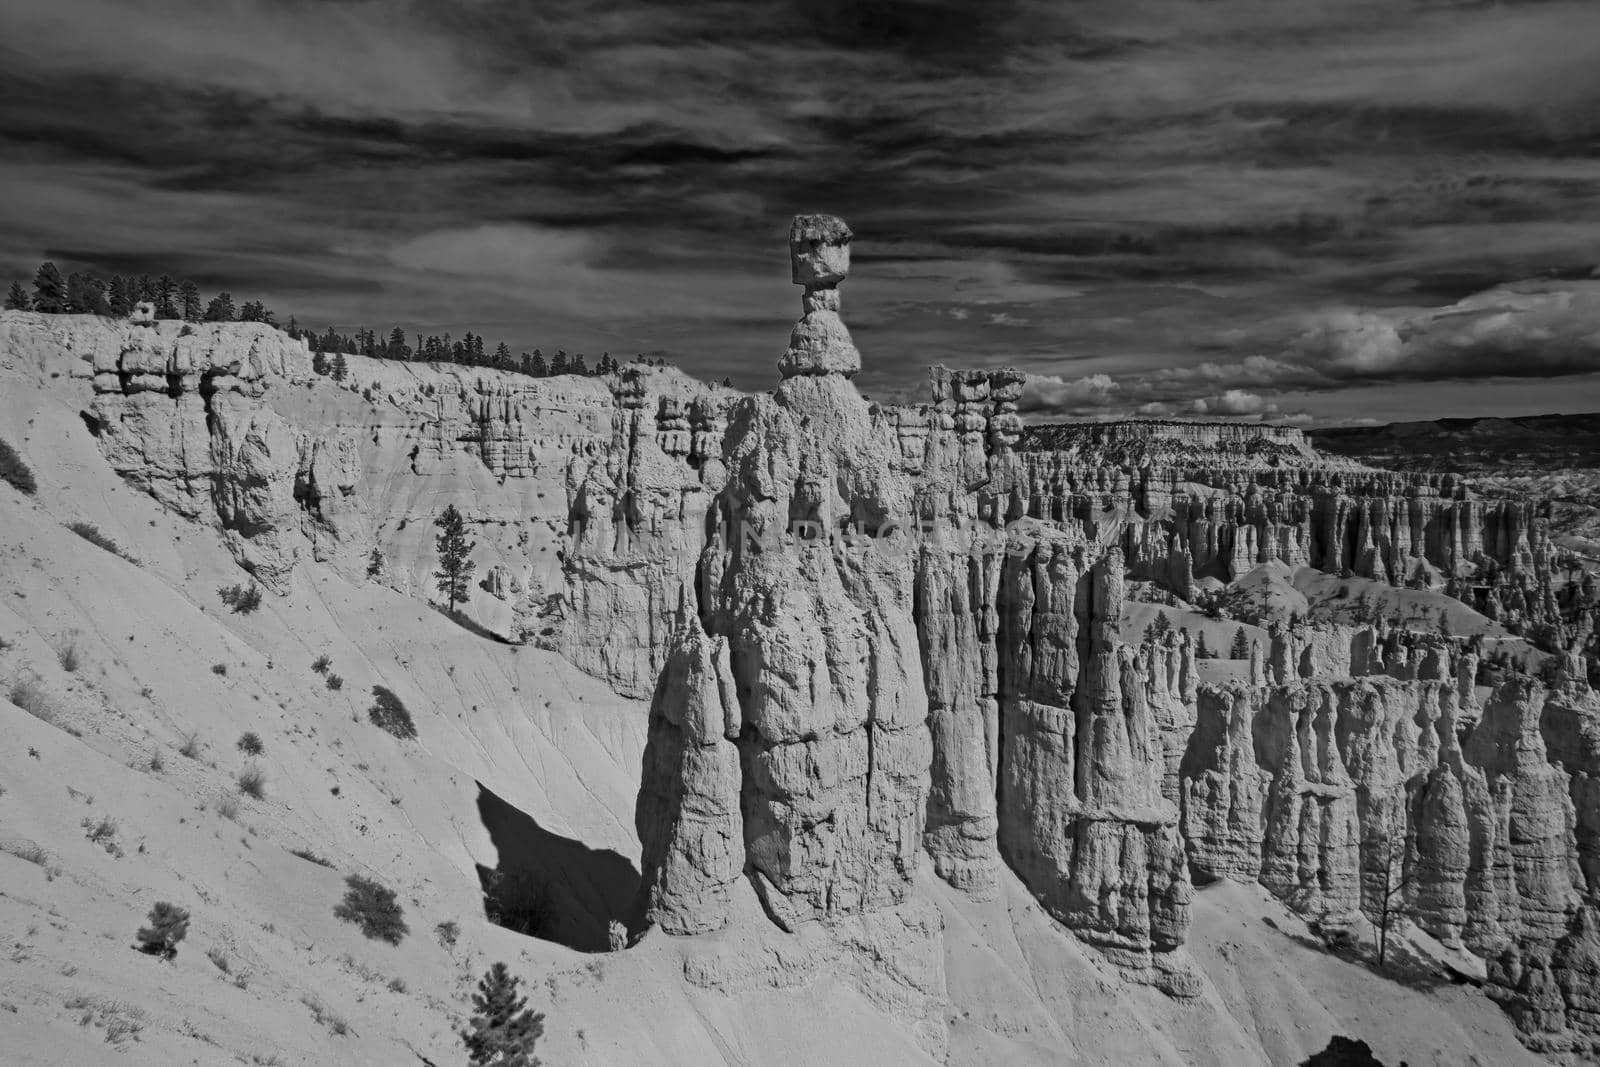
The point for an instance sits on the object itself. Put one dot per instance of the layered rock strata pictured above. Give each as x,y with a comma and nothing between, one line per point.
915,673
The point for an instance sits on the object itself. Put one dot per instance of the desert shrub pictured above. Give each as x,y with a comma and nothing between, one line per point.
67,656
191,745
389,714
447,932
220,959
228,807
219,669
169,924
101,831
325,1017
32,853
253,781
373,907
321,664
310,857
157,763
335,682
30,696
15,471
243,599
91,533
397,985
517,901
250,743
503,1029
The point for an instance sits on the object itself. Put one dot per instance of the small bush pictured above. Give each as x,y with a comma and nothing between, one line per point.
253,782
220,959
169,924
250,743
219,669
29,695
447,932
517,901
243,599
67,656
31,853
191,745
319,1011
397,985
335,682
310,857
372,906
102,832
157,763
389,714
321,664
228,808
15,471
91,533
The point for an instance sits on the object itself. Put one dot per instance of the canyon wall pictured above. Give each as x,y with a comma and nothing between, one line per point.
875,637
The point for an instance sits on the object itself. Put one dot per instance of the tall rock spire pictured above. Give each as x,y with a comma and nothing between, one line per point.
819,259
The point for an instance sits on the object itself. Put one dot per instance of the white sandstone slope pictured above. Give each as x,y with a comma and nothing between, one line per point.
205,453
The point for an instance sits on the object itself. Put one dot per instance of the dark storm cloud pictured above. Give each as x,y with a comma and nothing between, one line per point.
1228,208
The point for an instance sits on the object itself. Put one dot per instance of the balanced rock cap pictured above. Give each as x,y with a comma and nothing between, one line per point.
819,257
819,250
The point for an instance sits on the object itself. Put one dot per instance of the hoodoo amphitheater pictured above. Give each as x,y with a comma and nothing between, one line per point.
892,734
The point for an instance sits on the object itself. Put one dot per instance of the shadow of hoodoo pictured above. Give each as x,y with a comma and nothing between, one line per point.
548,886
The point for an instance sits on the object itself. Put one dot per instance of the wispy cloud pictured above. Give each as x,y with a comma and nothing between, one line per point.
1224,208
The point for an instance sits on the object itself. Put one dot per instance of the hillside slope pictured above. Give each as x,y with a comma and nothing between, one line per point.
520,762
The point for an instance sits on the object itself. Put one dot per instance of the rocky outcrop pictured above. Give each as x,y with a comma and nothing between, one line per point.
916,674
882,641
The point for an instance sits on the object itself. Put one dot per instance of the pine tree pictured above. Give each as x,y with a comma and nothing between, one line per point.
578,366
503,1029
1241,645
84,295
167,298
375,562
1200,649
341,367
502,356
319,363
120,297
536,365
221,308
558,363
189,299
1162,625
17,298
169,924
398,349
49,290
455,556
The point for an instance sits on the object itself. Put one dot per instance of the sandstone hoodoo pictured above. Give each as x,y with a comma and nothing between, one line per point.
906,638
909,662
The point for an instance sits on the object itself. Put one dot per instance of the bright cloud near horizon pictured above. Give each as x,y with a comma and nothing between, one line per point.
1313,210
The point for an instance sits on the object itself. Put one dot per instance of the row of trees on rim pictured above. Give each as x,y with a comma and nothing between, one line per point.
469,350
86,293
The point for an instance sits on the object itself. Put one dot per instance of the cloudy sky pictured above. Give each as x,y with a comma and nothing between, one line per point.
1324,210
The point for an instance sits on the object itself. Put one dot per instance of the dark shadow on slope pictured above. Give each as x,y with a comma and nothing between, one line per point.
548,886
468,624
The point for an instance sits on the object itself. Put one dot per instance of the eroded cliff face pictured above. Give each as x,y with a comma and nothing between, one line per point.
879,639
921,628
